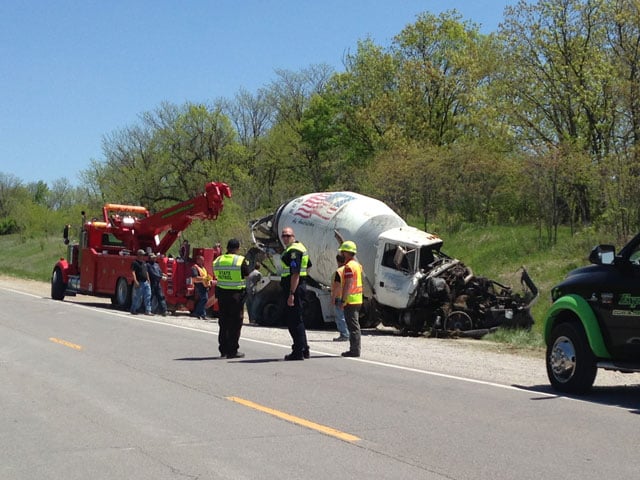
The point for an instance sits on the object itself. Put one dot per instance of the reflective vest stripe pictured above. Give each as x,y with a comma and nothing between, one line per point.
354,295
228,271
298,247
340,272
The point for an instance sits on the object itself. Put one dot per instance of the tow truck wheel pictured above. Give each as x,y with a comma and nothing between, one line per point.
122,297
58,286
571,365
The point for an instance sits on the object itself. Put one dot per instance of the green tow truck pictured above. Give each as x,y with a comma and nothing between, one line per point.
594,321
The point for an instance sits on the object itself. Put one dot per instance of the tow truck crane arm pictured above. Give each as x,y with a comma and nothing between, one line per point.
137,228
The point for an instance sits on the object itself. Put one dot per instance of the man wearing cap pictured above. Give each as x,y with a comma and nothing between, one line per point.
230,270
155,277
351,299
141,285
295,265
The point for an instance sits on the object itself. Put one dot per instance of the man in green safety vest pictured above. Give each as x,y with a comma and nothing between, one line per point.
295,264
230,270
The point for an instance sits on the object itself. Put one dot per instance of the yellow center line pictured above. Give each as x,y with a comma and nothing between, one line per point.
65,343
297,420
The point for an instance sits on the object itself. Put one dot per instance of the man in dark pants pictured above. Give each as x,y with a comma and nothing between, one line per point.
155,277
295,264
230,270
351,299
201,282
141,287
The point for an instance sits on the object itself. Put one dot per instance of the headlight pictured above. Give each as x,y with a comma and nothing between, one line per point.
556,293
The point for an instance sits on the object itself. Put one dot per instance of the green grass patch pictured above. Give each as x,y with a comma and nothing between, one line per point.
30,257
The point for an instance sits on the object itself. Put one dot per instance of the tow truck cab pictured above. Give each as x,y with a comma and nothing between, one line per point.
594,321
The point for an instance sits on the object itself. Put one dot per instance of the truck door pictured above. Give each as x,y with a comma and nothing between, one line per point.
621,318
395,274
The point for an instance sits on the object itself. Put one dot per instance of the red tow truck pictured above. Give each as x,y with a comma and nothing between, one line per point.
100,263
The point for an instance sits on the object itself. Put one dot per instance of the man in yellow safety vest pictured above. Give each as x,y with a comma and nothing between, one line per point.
351,299
230,270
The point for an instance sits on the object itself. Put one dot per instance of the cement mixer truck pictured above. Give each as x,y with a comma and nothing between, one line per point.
409,284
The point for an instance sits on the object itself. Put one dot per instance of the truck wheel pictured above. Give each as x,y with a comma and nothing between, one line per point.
368,315
571,365
458,320
58,286
312,312
270,316
122,297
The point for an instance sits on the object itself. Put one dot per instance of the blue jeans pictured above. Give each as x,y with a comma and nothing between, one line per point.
341,323
141,293
200,310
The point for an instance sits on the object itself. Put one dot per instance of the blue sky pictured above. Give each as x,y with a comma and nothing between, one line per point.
72,72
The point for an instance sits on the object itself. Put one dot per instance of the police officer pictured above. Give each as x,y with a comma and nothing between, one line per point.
295,264
351,299
230,270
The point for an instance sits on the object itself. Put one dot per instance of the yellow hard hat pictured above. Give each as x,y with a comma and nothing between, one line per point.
348,246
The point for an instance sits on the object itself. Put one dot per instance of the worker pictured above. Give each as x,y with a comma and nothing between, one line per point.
336,295
202,281
252,283
141,285
155,277
295,265
351,299
230,270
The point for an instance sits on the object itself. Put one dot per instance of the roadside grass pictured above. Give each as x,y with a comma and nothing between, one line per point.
32,258
518,340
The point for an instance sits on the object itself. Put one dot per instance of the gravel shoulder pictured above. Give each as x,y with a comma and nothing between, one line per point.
468,358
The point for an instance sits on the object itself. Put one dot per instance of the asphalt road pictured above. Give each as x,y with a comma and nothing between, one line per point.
91,393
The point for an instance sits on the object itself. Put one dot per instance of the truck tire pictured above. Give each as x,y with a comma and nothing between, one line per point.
368,315
122,296
270,315
571,365
58,286
312,312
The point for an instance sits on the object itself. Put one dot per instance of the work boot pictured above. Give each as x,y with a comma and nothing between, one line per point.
349,353
341,338
236,355
293,356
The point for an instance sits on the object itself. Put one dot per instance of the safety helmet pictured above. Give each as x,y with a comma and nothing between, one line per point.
348,246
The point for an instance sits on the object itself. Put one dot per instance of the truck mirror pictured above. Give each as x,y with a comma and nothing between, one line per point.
602,255
65,234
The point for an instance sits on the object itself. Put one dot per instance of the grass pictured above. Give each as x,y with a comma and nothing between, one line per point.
31,258
496,252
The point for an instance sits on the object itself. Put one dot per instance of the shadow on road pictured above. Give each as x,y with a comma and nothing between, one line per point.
198,359
625,396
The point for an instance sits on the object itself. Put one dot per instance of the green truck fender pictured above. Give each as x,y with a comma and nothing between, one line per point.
578,306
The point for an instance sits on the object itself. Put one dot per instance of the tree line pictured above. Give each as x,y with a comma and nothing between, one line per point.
538,123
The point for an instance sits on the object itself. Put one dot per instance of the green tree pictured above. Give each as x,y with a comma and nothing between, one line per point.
558,83
441,69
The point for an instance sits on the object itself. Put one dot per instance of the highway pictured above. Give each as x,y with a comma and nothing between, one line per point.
92,393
